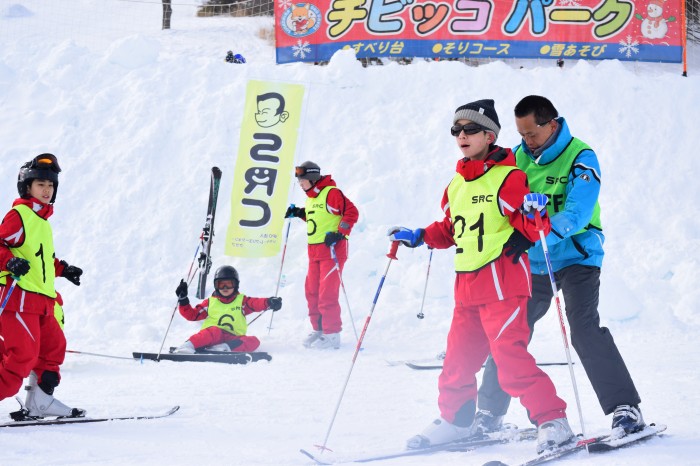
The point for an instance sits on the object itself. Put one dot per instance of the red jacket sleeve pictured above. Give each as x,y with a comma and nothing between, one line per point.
199,312
511,196
339,204
11,235
439,235
251,305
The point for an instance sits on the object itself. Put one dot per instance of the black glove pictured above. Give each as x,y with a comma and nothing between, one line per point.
274,303
332,238
292,211
71,273
181,292
17,266
516,245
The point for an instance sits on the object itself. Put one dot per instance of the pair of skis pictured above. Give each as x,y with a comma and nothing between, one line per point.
594,445
208,234
225,357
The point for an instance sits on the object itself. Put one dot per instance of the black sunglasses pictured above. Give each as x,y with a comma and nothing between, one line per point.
469,128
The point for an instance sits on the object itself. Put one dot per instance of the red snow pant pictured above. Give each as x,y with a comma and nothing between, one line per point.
499,328
32,342
214,335
323,285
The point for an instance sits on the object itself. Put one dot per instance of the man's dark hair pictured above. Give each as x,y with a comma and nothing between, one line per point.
273,95
536,105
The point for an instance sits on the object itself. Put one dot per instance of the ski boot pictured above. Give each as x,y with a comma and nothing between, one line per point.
553,434
39,404
438,432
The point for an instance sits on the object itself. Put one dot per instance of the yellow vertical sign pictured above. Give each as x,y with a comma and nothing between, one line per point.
268,139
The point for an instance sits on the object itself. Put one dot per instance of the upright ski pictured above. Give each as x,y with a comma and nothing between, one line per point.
208,234
83,420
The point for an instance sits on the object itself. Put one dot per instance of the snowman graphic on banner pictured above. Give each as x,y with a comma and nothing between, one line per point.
654,26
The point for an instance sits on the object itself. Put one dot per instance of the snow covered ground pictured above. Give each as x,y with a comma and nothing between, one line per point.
138,116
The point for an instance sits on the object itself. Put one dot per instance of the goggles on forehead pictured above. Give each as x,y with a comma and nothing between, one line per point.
45,161
469,128
302,171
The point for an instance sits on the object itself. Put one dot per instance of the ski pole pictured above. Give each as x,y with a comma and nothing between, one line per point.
98,354
190,277
9,293
425,288
279,275
552,280
342,285
392,256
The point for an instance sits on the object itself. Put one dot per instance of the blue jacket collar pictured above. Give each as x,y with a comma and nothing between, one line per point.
553,151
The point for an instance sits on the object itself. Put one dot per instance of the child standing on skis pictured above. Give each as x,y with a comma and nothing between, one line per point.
482,206
34,342
225,326
329,217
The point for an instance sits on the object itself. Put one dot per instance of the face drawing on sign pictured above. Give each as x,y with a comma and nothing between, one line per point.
270,110
260,176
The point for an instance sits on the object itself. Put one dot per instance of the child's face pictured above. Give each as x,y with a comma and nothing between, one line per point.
305,184
41,190
225,287
473,146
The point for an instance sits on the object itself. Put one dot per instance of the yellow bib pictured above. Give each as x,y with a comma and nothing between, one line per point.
228,317
480,229
38,250
318,220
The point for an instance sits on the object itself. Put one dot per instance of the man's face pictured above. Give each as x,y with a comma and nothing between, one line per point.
534,134
266,115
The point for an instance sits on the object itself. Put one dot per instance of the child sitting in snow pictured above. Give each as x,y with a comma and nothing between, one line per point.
224,327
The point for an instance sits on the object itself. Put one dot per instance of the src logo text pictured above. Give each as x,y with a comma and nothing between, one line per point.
555,180
482,198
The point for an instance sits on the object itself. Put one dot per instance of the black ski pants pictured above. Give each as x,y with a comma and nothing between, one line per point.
594,344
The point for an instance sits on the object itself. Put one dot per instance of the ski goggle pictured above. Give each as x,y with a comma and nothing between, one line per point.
300,172
469,128
225,285
45,161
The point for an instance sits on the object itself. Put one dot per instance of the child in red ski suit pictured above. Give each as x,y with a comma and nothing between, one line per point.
34,342
482,212
329,217
225,326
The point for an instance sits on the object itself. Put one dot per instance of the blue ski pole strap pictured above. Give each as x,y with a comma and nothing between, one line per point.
15,279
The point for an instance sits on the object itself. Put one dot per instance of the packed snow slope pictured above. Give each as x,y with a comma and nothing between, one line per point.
137,117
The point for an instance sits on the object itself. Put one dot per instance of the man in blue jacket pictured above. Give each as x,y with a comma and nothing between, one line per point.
566,169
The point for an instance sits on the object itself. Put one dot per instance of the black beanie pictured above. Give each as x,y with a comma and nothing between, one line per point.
481,112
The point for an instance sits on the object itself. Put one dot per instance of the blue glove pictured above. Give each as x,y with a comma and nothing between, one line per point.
408,237
534,202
